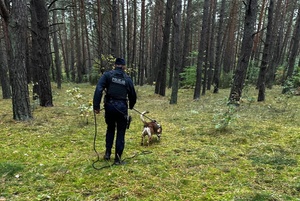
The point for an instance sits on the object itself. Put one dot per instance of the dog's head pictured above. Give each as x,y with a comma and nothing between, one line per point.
157,128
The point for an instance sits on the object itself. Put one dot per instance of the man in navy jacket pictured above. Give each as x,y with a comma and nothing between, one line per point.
119,89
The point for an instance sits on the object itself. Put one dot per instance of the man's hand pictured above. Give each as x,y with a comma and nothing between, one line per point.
97,111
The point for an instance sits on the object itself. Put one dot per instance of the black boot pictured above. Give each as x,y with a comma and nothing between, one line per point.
107,155
118,160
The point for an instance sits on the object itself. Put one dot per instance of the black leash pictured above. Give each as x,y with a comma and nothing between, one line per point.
98,156
94,144
144,114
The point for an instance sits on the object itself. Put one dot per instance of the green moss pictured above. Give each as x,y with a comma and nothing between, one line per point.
255,158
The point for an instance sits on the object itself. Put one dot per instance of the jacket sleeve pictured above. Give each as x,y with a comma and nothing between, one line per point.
101,85
131,94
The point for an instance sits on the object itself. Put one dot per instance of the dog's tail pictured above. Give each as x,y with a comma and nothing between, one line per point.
142,116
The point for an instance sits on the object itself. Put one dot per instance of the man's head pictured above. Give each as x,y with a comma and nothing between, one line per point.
120,63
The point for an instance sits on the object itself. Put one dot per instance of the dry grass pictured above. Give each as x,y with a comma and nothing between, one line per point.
255,157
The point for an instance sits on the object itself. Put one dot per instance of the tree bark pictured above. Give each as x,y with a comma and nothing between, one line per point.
99,27
294,47
63,36
160,86
261,85
17,30
85,39
247,44
187,31
207,50
77,45
275,53
56,51
217,72
201,51
114,23
177,52
211,54
157,39
229,52
72,54
40,52
4,75
134,40
256,40
142,46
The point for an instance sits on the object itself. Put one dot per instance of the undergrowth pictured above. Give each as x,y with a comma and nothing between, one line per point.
255,156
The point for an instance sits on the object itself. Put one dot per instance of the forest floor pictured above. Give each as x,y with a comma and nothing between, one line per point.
208,150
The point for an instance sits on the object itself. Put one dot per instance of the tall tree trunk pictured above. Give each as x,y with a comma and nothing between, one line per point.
35,52
294,47
40,52
4,75
256,40
247,44
82,39
88,63
114,23
160,85
187,33
207,50
266,55
77,45
72,53
99,27
142,46
56,50
177,52
290,15
63,37
157,39
229,52
134,41
123,40
274,61
129,36
201,50
147,45
18,30
217,72
172,55
211,54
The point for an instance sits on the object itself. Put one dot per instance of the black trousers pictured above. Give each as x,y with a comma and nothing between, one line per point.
115,117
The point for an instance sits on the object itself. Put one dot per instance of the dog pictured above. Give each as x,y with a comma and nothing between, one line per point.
150,128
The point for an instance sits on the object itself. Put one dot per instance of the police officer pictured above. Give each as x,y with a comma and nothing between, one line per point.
118,86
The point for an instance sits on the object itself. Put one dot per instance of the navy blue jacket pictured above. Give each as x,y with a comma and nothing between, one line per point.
105,81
